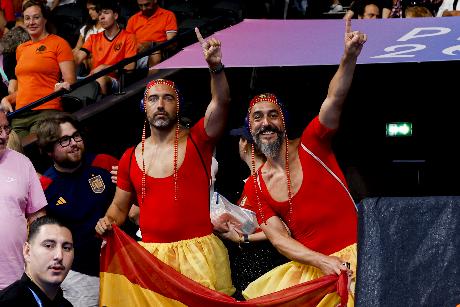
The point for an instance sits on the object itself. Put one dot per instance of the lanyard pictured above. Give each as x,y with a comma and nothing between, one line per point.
39,302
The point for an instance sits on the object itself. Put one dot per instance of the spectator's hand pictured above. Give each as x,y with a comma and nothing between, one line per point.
104,224
333,265
232,234
62,85
354,40
211,49
144,46
6,105
114,173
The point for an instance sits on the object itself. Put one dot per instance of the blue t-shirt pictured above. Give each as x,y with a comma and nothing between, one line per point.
79,200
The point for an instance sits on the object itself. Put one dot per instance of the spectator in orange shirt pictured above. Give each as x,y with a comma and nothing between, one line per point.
108,47
42,63
151,25
92,26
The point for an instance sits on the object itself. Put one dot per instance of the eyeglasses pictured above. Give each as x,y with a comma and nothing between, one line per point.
7,130
65,140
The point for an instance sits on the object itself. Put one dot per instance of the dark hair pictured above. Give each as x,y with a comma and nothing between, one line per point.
361,6
89,21
110,5
41,4
34,228
49,130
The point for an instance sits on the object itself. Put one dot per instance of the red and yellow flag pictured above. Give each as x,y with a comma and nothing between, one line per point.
131,276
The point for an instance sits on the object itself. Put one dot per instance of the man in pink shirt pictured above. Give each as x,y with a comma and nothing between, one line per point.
21,201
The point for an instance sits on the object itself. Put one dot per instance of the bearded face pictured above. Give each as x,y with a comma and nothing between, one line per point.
267,128
162,120
161,107
271,146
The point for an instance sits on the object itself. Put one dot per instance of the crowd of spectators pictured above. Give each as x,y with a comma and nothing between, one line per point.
36,62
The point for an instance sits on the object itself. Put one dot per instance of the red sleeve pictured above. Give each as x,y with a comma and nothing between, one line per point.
45,182
105,162
7,7
123,181
317,137
199,132
257,204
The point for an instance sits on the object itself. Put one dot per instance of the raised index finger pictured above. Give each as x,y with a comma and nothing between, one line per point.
199,36
347,25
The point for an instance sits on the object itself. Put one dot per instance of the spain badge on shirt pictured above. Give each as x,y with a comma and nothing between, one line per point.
97,184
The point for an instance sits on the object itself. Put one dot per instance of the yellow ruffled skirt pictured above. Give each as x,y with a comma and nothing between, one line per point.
204,259
294,273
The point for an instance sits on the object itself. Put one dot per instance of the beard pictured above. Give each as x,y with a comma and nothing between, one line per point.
272,149
164,122
70,160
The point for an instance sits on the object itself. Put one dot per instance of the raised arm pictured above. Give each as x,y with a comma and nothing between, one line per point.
217,111
331,109
276,232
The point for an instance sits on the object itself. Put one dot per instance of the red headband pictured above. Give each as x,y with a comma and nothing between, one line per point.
169,83
264,97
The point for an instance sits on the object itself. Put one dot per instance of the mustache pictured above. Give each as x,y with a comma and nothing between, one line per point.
268,128
160,113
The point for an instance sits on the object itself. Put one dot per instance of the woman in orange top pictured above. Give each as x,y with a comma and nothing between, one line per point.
44,65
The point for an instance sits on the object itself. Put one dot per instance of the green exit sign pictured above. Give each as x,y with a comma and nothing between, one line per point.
399,129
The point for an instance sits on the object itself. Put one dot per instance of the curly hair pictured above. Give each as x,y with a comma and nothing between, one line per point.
13,38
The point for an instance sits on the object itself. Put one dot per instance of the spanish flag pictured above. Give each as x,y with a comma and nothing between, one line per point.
131,276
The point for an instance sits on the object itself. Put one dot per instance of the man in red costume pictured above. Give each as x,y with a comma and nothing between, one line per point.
301,184
168,173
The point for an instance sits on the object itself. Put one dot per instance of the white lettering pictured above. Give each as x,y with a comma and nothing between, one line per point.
400,54
454,50
419,32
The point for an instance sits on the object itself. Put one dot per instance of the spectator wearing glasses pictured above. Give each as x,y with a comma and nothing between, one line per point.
22,201
151,25
79,190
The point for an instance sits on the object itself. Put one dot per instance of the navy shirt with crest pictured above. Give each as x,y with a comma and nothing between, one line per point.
79,200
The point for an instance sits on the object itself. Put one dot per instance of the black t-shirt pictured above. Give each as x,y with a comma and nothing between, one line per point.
21,293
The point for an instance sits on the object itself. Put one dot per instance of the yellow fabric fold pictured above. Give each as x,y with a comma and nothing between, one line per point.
130,294
204,259
294,273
